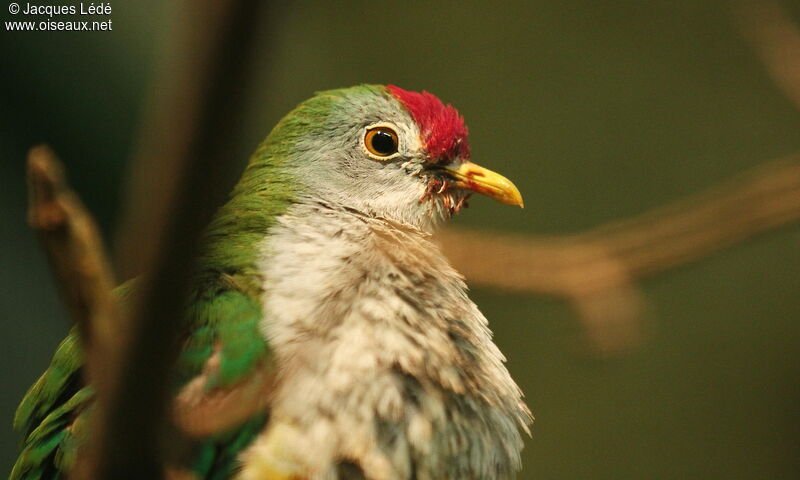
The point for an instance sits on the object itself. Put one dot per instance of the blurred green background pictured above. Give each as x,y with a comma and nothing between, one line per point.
597,110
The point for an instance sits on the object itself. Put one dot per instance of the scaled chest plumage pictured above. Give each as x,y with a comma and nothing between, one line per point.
387,367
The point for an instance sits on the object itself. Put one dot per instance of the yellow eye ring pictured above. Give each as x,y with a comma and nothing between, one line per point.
381,142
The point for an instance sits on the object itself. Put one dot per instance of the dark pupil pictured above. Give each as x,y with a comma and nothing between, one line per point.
383,143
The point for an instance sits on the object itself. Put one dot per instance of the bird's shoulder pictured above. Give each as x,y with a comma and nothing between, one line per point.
222,322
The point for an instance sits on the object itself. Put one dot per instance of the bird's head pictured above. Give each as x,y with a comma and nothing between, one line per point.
386,152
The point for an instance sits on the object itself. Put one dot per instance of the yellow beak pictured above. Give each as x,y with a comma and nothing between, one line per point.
470,176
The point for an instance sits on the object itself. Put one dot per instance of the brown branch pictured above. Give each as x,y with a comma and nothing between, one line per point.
597,270
183,156
75,250
775,37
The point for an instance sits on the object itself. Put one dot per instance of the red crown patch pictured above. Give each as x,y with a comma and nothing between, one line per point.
442,128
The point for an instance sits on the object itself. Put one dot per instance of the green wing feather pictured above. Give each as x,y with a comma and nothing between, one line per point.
50,388
53,413
228,319
46,414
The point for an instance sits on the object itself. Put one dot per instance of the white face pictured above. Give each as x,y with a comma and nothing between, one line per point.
370,157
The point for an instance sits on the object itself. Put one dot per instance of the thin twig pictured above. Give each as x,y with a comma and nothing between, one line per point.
77,257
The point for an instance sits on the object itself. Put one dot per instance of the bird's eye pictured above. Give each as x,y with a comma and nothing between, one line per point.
381,142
